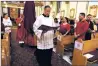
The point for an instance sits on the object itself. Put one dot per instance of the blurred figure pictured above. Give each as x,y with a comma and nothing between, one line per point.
2,28
56,21
60,19
20,30
2,25
64,27
82,27
91,27
7,23
57,24
72,22
76,21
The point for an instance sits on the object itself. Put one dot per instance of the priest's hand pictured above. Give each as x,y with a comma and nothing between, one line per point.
43,33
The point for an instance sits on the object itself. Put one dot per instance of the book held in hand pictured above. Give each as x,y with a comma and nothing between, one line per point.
47,28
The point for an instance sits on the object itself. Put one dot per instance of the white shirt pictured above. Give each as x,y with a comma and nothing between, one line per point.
57,24
46,40
7,23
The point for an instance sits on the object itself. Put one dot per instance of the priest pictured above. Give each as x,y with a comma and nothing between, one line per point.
44,38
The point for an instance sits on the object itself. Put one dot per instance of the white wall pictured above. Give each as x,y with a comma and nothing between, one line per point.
81,7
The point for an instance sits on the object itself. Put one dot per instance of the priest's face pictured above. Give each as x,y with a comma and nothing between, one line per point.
47,11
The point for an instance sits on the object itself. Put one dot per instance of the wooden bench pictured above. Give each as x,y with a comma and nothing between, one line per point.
78,56
95,36
4,57
5,44
65,40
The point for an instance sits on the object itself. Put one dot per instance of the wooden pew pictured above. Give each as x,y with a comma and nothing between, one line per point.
95,36
78,56
65,40
5,44
3,57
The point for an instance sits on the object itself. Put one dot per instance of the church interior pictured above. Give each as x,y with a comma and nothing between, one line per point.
67,50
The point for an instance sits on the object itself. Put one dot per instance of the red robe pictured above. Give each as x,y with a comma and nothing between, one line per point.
22,34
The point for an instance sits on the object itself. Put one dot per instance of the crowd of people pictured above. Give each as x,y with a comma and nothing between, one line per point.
81,29
87,23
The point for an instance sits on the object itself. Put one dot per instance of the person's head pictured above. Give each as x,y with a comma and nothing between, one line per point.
47,10
81,16
72,22
5,15
64,20
89,17
55,20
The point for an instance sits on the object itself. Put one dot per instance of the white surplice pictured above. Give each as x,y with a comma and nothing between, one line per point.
44,41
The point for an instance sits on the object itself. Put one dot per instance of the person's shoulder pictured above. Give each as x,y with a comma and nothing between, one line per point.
78,22
39,17
86,22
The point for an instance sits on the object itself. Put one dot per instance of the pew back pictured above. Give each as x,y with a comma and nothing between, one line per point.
65,40
78,58
88,46
3,57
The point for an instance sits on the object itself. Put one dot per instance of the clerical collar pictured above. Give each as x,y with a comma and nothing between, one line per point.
45,15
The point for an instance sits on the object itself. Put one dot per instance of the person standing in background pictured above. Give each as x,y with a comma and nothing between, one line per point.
19,37
65,26
72,23
2,28
7,23
56,22
44,38
91,27
82,27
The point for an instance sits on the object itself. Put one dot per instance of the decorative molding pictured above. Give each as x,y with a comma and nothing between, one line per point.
63,13
14,12
93,10
19,5
72,13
